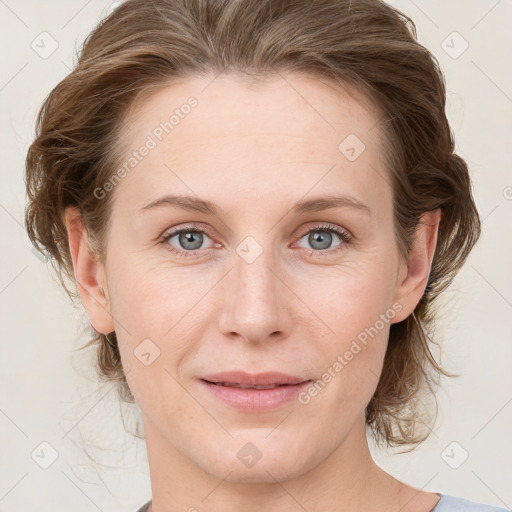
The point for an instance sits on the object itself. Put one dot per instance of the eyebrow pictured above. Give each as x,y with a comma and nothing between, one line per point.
196,204
191,203
329,202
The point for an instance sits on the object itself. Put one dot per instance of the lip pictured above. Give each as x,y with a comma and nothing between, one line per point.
250,399
255,379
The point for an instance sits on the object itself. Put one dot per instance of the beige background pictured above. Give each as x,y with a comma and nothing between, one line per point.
49,393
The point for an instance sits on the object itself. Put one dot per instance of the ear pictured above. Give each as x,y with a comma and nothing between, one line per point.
413,274
89,273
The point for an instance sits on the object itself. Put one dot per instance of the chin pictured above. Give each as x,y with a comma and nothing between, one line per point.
260,460
262,473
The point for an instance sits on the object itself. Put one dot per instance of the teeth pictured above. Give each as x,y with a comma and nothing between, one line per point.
233,385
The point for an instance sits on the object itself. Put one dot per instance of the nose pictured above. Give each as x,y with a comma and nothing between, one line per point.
256,306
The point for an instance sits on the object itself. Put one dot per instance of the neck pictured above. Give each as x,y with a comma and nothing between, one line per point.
340,480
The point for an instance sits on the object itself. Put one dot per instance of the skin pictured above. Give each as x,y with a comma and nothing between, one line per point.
255,149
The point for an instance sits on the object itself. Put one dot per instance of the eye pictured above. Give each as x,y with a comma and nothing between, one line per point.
189,240
320,238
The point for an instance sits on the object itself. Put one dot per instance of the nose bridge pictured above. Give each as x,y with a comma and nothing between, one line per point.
255,307
255,281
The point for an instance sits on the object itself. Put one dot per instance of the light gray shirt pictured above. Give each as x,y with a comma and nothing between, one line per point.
447,503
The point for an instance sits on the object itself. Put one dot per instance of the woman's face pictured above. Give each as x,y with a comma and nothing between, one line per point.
292,268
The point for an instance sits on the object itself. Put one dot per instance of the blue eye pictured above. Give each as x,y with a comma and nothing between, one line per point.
190,239
320,239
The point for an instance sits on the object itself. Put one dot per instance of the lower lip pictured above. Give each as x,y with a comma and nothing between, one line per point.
255,400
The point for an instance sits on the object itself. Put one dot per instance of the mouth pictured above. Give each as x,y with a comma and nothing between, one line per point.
256,392
242,386
262,380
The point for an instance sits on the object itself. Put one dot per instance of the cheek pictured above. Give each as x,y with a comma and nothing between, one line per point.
352,299
138,315
357,308
352,361
149,301
156,311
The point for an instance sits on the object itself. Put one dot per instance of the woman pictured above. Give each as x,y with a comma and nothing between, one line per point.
259,203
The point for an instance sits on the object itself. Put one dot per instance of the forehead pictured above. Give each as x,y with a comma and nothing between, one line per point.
208,135
287,103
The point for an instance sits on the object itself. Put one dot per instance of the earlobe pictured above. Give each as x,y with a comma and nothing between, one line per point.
89,273
415,272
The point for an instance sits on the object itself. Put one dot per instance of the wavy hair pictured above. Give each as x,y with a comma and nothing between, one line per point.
366,46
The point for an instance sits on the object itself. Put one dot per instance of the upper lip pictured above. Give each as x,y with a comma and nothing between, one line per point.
256,379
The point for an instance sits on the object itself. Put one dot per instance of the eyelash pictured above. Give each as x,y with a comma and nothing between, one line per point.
344,236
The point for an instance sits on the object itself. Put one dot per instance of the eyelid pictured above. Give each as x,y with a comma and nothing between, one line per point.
194,226
344,235
327,227
168,234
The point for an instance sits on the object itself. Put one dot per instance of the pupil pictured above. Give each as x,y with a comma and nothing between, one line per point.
188,238
324,237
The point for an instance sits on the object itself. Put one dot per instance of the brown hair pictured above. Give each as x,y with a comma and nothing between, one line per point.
366,45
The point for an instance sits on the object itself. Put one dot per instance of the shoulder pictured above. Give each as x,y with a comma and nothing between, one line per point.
449,503
144,507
